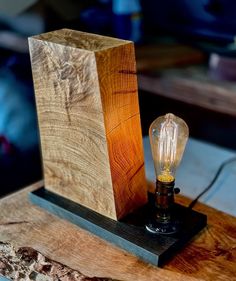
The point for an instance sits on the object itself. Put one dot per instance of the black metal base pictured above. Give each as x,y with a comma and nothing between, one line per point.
163,228
129,234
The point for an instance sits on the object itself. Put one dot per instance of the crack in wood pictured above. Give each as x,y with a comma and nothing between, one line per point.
26,263
125,92
126,71
136,171
123,122
14,222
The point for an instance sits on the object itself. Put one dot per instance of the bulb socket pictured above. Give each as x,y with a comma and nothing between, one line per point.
164,219
164,194
164,200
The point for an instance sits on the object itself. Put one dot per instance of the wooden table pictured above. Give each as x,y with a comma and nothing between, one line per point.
210,256
192,85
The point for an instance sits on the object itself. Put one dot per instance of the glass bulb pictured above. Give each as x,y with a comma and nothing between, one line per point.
168,136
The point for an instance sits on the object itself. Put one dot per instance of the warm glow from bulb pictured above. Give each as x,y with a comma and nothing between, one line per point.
168,136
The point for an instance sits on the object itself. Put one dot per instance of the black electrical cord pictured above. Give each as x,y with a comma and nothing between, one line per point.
222,166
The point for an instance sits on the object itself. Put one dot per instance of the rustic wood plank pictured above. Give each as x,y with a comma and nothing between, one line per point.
192,85
210,256
25,263
87,104
24,224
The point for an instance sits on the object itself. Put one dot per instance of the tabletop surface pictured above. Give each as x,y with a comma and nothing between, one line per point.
211,255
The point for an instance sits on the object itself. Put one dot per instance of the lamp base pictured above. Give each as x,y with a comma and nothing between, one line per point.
129,234
164,228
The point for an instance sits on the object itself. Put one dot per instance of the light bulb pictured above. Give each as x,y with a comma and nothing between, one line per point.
168,136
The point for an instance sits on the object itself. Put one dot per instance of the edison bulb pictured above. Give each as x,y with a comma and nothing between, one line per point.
168,136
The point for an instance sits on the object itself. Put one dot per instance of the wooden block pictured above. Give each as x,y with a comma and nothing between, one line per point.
88,112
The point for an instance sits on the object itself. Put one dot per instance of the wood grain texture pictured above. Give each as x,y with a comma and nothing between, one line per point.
89,124
192,85
212,256
24,224
25,263
118,84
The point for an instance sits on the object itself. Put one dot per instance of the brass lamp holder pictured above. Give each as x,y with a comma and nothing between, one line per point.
164,219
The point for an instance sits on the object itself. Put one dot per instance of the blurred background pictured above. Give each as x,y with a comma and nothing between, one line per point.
185,53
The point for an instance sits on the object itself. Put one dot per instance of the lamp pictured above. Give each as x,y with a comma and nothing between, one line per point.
99,184
168,136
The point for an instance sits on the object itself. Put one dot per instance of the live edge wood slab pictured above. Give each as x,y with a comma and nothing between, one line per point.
211,255
88,112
